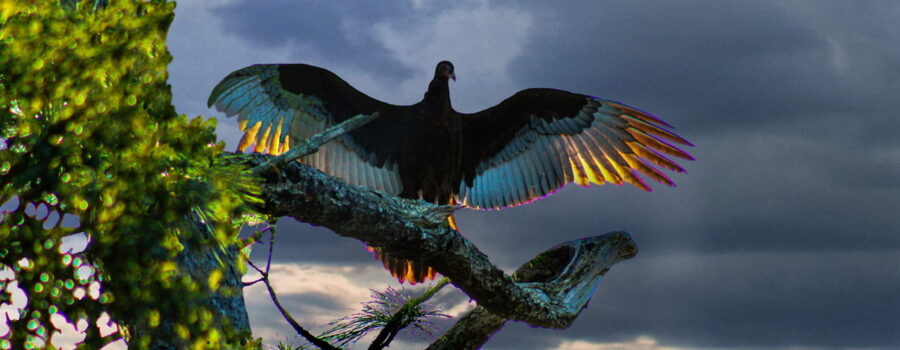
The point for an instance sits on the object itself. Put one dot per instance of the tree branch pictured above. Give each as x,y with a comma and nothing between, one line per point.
470,332
414,230
558,265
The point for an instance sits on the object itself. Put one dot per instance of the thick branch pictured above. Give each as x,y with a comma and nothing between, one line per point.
471,331
415,230
558,266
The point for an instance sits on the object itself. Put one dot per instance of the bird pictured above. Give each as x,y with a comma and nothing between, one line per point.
523,149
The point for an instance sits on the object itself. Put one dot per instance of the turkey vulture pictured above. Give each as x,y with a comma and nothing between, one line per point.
518,151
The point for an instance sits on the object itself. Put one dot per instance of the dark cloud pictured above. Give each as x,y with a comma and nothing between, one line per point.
327,32
317,28
835,299
298,241
717,65
754,300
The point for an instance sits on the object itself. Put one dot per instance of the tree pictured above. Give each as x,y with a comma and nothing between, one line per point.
88,130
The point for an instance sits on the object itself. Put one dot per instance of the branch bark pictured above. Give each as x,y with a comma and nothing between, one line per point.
560,266
416,230
198,262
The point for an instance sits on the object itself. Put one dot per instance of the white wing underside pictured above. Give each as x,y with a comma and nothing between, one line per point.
337,160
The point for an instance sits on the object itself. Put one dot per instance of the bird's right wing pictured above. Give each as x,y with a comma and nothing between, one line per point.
279,105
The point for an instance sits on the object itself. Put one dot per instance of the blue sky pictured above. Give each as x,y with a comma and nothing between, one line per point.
783,234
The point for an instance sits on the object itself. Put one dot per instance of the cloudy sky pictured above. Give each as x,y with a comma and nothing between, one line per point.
784,234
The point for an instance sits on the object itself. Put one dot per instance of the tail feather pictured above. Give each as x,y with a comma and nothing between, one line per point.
404,270
408,270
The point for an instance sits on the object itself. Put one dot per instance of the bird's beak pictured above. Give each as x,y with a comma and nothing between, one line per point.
453,76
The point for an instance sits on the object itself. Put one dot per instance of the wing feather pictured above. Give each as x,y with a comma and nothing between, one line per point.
518,171
546,173
601,163
556,175
249,136
648,170
654,130
655,157
538,140
637,113
661,145
280,105
585,156
531,173
260,140
245,106
610,153
239,92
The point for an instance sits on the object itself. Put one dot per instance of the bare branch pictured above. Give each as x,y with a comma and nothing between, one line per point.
284,313
297,328
247,284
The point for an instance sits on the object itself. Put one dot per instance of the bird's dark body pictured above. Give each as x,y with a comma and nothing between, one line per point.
522,149
438,172
430,132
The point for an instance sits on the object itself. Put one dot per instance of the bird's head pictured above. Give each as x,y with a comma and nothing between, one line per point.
444,70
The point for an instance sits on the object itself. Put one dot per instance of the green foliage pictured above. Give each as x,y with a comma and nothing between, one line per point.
283,345
87,128
392,310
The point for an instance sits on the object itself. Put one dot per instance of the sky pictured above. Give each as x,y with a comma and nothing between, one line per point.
783,234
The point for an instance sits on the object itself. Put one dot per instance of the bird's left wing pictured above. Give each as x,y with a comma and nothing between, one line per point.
281,104
538,140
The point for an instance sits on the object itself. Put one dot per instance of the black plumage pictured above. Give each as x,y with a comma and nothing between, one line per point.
522,149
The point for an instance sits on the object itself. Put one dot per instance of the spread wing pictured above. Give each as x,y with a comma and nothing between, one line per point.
279,105
538,140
